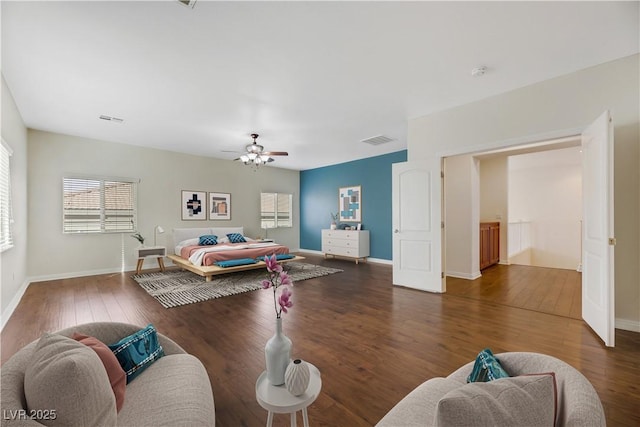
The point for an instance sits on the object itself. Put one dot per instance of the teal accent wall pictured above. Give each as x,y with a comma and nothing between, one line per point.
319,198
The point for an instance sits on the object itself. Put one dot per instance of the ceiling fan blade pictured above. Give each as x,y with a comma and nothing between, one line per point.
275,153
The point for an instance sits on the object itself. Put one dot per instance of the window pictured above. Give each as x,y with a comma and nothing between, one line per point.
276,210
6,219
99,205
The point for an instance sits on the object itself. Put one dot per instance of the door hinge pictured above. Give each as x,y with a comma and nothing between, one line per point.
441,174
442,224
612,241
442,275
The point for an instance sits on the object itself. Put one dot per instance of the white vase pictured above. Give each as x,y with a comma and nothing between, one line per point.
333,226
297,376
277,354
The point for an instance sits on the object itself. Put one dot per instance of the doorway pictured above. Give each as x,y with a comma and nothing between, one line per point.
534,195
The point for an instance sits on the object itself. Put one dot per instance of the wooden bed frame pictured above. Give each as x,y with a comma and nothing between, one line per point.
208,271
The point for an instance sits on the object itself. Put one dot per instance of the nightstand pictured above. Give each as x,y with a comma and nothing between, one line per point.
144,252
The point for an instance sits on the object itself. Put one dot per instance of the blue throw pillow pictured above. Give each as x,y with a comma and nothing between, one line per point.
208,239
236,262
236,238
138,351
486,368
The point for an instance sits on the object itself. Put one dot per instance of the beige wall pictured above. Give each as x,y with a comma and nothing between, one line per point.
494,197
13,262
545,189
163,175
559,107
461,217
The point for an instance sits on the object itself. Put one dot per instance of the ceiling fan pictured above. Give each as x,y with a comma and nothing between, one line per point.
256,155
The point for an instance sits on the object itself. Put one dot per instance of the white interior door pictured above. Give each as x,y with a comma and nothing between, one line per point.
597,249
417,245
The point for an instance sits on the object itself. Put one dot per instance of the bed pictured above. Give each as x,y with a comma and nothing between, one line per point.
220,258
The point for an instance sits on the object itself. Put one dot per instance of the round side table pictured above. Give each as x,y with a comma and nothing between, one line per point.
278,400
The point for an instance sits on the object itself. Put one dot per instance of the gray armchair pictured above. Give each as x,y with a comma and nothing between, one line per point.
174,390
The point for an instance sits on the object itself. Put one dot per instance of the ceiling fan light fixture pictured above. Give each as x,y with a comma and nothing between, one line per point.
256,156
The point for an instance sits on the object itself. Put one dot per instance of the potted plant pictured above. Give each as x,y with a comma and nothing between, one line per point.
334,220
139,238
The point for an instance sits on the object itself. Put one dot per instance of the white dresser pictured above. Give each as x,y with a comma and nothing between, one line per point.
346,243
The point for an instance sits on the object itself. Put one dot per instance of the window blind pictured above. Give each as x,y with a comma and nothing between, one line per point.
6,218
99,205
276,210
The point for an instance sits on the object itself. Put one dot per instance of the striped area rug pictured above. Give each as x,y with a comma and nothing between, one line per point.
176,288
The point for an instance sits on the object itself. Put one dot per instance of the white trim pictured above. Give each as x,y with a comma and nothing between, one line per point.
467,276
72,175
85,273
542,139
628,325
6,314
369,259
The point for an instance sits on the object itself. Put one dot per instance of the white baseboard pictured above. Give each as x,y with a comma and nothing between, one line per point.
6,314
73,274
467,276
628,325
369,259
311,251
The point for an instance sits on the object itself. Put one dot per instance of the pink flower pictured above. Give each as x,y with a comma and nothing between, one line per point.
272,264
285,300
278,277
285,279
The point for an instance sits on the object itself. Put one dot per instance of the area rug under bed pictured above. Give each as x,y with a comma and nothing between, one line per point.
176,288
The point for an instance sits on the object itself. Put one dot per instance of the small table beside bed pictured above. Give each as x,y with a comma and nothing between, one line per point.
220,250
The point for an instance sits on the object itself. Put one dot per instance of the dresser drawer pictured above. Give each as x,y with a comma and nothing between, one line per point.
341,234
342,251
343,243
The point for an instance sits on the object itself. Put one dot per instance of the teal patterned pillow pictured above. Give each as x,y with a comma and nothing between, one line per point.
486,368
138,351
236,238
208,239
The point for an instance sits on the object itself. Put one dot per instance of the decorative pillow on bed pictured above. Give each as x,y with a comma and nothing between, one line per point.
208,239
236,238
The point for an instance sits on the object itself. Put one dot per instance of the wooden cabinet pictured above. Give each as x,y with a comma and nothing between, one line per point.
489,244
346,243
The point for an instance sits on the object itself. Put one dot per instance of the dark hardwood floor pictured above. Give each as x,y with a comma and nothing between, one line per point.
548,290
372,342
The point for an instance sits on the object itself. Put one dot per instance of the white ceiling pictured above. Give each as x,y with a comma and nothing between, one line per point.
312,78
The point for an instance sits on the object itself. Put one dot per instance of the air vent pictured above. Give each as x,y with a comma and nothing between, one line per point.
111,119
377,140
188,3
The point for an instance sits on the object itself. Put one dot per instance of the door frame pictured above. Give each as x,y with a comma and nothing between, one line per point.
566,137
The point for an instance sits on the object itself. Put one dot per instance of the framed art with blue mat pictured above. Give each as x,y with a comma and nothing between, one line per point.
350,203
